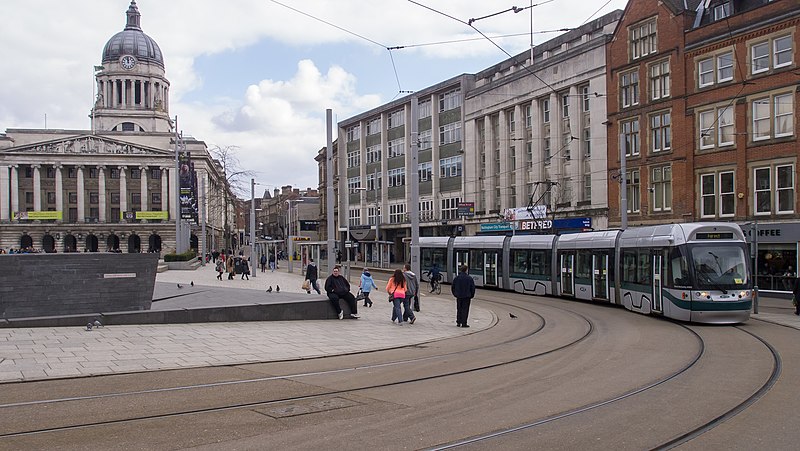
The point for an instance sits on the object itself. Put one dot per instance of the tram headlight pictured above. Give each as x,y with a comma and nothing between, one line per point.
744,293
703,294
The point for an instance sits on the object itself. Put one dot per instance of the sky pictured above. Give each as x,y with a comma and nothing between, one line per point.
259,74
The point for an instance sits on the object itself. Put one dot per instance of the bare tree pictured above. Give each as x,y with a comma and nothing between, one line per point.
235,182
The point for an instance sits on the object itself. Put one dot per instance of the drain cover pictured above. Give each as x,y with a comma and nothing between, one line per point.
304,408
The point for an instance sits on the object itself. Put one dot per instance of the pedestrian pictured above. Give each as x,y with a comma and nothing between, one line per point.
367,283
337,287
272,262
245,267
263,262
229,267
397,294
796,295
463,288
312,275
412,291
220,269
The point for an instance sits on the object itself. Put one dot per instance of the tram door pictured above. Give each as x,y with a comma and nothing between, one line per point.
657,300
567,272
600,276
462,258
490,260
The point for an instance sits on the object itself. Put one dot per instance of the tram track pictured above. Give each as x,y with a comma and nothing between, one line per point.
544,315
265,402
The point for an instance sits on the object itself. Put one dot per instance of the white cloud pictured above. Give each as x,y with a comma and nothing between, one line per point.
280,125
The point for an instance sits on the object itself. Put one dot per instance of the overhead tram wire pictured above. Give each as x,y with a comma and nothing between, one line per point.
526,67
513,8
396,76
595,13
456,41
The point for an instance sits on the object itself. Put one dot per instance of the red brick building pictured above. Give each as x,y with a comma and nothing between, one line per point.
702,98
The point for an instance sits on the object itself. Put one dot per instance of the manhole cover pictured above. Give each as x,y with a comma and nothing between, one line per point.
304,408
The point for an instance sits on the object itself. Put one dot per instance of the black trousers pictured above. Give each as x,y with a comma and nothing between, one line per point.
348,297
462,310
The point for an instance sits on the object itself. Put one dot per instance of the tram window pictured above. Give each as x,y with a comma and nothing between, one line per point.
520,262
679,268
540,263
584,268
427,258
644,267
476,261
629,266
439,257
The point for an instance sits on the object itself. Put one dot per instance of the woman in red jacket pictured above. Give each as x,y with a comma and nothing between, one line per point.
397,293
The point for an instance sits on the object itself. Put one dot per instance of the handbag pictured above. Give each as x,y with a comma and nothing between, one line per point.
306,284
360,295
391,296
416,303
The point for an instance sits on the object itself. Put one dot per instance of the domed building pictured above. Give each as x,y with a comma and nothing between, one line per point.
116,186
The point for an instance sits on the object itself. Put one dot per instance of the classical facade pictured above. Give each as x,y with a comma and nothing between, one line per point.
113,186
526,133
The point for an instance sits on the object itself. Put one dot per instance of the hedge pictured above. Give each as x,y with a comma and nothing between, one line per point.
184,257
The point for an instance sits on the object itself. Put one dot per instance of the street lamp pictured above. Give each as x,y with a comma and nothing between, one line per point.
289,244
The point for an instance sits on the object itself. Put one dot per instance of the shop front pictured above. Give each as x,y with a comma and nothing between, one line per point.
774,253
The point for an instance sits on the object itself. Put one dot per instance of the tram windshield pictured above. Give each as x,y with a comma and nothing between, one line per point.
720,267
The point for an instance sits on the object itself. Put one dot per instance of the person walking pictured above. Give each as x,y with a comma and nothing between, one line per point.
397,294
796,294
463,288
312,275
367,283
220,268
263,261
337,287
272,262
229,267
412,290
245,267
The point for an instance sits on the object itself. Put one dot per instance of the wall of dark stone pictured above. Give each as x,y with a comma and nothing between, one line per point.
33,285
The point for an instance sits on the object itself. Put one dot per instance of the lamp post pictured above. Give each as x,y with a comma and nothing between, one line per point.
754,231
253,227
289,244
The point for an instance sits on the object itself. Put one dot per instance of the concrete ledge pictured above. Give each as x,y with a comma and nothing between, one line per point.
183,266
318,309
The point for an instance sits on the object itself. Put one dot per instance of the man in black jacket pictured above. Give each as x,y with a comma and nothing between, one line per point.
337,287
463,288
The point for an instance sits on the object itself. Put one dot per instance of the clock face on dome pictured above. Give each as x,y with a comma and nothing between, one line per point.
127,62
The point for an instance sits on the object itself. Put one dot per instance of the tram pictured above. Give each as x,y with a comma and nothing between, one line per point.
696,272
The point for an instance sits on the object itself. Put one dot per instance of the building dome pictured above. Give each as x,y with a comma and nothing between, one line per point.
133,41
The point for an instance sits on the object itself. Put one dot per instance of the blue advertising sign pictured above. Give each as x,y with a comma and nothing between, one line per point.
573,223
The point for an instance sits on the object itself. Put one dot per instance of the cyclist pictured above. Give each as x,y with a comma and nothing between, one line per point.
435,276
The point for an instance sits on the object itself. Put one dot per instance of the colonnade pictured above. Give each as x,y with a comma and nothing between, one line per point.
10,189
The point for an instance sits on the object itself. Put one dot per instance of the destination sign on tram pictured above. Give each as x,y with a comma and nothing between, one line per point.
714,236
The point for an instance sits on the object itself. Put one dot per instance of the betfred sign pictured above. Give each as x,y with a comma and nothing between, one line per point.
544,224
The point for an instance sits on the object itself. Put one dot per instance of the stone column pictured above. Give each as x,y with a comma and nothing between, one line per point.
164,189
101,192
5,195
123,191
520,149
15,189
489,181
174,211
60,191
143,184
505,173
37,188
81,196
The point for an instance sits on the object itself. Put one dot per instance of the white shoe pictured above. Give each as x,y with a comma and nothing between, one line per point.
353,315
341,315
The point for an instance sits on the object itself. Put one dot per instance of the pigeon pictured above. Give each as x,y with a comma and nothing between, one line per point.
269,290
277,288
512,316
191,283
180,286
97,323
88,326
